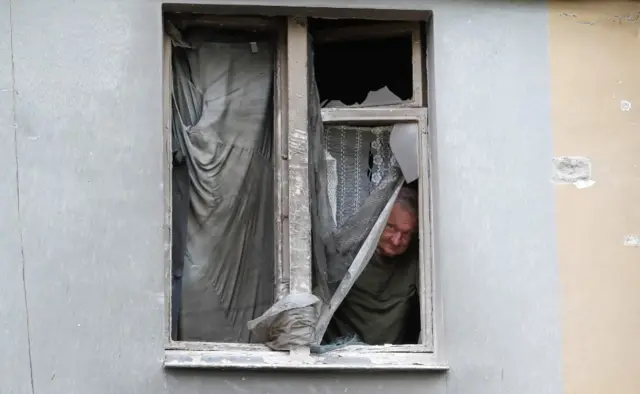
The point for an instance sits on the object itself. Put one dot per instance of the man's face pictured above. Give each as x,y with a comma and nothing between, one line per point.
398,233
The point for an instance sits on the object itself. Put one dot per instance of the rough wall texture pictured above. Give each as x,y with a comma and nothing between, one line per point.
89,148
595,65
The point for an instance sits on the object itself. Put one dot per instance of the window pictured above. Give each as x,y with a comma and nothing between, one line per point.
370,76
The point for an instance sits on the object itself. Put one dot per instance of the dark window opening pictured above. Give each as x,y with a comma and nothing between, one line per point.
353,65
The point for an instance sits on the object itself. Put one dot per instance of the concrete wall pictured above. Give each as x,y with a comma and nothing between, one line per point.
14,363
83,218
595,68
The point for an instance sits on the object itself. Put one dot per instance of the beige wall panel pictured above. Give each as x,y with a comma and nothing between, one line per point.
595,70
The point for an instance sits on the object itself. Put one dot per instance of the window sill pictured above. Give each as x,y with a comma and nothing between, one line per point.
261,360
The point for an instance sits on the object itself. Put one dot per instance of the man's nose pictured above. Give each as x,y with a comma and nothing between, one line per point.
395,239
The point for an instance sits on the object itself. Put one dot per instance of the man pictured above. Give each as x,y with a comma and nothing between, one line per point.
382,306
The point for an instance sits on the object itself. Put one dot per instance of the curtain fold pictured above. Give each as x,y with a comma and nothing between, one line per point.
222,101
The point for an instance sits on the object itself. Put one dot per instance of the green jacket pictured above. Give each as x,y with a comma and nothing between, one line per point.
379,303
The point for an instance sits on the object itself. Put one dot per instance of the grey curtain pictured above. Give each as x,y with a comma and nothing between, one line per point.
223,210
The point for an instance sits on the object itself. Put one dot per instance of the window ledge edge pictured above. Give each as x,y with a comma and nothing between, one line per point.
249,360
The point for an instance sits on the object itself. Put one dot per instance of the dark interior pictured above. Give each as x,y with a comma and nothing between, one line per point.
348,70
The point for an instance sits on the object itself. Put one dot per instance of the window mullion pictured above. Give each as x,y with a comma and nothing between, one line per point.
281,181
299,218
376,115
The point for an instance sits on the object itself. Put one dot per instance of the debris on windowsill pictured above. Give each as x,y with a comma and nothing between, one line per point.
337,344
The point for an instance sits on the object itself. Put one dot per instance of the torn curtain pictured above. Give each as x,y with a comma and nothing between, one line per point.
223,135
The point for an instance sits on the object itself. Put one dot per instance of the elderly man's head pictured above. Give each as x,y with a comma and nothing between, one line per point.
401,226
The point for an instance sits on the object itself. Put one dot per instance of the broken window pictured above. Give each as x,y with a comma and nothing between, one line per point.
285,168
363,63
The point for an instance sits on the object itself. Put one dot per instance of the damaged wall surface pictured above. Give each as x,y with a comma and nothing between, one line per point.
595,92
83,81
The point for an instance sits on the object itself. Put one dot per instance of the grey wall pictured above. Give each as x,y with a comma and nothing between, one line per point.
14,346
87,227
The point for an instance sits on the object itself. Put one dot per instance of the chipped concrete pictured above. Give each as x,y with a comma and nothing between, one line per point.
572,170
625,106
615,19
632,240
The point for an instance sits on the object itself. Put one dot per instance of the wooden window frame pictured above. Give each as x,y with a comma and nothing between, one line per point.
293,225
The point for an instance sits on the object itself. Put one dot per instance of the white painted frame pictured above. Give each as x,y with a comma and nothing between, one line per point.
293,265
